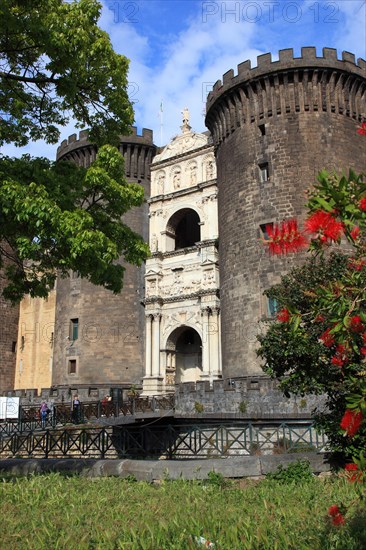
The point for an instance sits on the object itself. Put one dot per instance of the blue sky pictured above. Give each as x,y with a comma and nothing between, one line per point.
178,49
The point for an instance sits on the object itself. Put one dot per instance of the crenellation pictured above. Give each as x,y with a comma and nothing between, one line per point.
264,60
285,56
330,54
287,63
362,64
349,57
228,76
308,54
75,142
244,68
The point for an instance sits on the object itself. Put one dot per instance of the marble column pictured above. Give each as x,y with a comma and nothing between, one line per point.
148,369
156,345
214,343
205,313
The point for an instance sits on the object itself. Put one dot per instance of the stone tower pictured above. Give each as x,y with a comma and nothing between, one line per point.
9,317
99,336
274,127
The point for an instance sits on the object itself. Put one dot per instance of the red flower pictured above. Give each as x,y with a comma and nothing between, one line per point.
363,351
326,338
351,422
337,361
283,315
355,324
355,233
319,318
362,130
285,238
363,204
340,358
324,225
357,265
334,510
356,475
338,519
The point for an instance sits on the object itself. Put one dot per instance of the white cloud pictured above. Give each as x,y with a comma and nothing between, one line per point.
353,35
180,66
189,64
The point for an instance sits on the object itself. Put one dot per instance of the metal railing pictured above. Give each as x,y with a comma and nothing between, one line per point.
61,413
170,441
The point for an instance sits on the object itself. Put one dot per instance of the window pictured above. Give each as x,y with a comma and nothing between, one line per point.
272,305
74,329
262,129
263,172
13,347
72,366
264,230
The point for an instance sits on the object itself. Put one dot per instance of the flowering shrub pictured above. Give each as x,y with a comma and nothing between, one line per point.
318,344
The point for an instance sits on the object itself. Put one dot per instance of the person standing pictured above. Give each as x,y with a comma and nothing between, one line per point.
75,409
44,411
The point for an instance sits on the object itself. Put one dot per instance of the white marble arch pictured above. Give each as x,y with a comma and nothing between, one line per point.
182,367
167,230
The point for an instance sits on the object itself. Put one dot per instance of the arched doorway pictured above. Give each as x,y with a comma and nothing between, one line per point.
183,229
184,356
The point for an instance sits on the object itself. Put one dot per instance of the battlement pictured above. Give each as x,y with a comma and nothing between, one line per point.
288,86
287,61
73,142
247,397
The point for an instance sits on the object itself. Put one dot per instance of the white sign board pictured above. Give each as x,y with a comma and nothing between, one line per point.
9,407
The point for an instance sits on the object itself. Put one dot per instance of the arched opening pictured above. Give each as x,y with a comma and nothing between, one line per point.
184,356
183,229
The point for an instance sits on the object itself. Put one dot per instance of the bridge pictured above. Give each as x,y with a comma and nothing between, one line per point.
146,428
108,413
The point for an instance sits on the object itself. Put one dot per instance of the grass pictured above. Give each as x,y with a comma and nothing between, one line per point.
58,512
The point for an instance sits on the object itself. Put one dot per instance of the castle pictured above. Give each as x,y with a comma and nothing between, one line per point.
193,313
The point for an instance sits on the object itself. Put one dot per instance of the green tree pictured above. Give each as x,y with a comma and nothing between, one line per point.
56,64
318,342
57,216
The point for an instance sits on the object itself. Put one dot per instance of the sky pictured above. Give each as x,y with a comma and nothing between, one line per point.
179,48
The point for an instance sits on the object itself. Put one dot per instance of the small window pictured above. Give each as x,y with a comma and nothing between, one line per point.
264,230
72,366
22,342
262,129
272,307
13,347
264,172
74,329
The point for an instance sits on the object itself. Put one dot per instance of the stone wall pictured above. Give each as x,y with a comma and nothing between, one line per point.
35,342
274,128
110,344
249,398
9,316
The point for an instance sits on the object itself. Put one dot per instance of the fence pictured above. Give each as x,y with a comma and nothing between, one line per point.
161,440
61,414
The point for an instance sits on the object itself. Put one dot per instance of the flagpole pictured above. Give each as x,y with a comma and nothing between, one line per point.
161,123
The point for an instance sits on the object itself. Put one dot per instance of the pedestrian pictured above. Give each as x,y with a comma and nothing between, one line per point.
75,409
44,410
